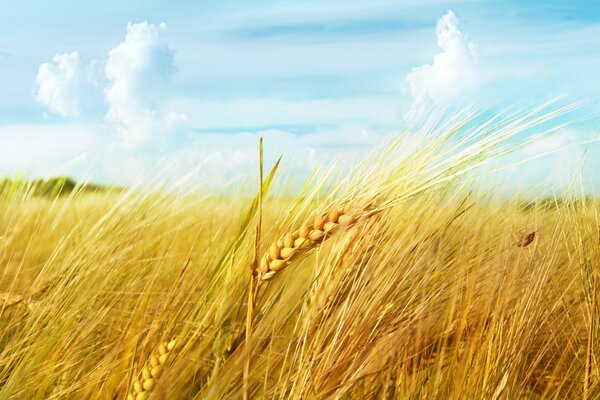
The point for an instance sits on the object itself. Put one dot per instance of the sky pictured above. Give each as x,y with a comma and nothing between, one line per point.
117,91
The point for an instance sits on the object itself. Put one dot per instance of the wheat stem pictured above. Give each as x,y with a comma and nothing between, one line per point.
253,290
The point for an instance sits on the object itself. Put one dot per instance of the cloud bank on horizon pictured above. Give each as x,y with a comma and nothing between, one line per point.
313,80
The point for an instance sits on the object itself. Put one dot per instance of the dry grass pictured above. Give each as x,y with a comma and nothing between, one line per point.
406,284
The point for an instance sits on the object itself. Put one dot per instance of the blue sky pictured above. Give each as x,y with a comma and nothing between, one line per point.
114,89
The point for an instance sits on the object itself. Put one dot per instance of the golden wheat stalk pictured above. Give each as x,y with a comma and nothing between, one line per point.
151,371
287,249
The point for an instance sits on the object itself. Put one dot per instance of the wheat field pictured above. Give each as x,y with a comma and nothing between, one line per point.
405,279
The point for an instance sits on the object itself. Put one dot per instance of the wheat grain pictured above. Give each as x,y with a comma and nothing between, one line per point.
151,371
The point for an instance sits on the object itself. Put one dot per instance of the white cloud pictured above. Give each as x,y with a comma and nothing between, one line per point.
49,149
138,70
133,79
558,155
551,162
59,84
217,157
452,75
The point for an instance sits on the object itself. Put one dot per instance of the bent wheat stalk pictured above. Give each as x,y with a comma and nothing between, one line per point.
290,247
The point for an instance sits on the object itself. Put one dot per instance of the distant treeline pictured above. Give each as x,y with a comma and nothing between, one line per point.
51,187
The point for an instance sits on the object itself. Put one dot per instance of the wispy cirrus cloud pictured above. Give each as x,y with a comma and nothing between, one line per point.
248,113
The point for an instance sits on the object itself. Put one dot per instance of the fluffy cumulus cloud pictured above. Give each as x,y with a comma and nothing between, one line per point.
59,84
133,80
137,71
451,76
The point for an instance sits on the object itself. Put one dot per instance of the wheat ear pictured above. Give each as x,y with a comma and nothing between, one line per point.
309,236
152,370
